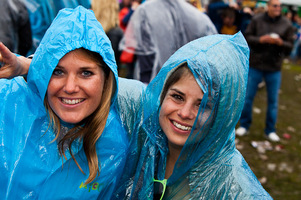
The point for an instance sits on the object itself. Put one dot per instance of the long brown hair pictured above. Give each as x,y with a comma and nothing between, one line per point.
91,128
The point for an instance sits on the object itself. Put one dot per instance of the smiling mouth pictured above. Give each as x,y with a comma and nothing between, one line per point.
181,127
71,101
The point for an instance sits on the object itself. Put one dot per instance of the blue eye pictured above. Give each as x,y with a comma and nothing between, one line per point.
87,73
57,72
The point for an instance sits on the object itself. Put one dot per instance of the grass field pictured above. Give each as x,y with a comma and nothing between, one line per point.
278,165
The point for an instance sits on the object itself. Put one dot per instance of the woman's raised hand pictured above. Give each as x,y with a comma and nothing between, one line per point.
11,65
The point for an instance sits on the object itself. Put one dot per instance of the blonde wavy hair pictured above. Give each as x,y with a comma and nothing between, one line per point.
91,128
106,12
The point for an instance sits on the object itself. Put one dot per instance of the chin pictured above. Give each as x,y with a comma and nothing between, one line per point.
71,120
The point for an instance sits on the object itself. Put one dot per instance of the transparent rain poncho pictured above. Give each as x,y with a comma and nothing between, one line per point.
209,166
158,28
30,164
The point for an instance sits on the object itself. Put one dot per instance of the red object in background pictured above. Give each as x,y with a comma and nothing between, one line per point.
279,147
286,136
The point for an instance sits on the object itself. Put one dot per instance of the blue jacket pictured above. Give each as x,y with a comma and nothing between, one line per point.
30,164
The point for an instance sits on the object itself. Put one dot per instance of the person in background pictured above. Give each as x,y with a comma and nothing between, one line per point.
271,37
296,51
215,10
15,31
61,136
228,19
127,8
106,12
153,35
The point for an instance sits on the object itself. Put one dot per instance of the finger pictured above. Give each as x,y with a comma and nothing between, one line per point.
1,47
5,52
1,61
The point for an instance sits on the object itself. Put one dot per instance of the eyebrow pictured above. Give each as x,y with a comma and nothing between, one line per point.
181,93
81,68
59,66
178,91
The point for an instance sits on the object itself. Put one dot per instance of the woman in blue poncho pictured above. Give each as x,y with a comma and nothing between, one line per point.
61,137
189,114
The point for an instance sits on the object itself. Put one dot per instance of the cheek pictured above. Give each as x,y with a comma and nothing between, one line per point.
55,85
163,115
53,88
95,90
161,118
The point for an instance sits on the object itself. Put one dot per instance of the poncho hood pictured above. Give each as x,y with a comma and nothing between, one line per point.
209,166
57,43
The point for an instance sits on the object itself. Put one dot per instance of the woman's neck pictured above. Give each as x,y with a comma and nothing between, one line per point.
172,157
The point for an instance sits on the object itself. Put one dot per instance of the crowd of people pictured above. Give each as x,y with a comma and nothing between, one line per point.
72,128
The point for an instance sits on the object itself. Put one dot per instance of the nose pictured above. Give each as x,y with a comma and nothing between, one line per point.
71,85
187,111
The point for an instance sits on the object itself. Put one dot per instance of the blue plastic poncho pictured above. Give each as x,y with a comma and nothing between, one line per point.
158,28
209,166
30,164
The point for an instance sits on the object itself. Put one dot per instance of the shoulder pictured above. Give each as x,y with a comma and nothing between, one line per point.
127,85
259,16
130,90
285,20
130,95
12,86
17,92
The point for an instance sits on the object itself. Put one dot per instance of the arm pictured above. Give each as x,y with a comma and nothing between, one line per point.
253,38
288,41
11,64
250,33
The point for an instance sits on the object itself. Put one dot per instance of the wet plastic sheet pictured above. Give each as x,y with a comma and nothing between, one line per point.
30,164
209,166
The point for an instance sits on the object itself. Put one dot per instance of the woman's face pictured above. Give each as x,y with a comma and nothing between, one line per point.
75,88
179,109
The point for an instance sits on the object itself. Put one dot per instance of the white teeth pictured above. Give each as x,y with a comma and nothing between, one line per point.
72,102
179,126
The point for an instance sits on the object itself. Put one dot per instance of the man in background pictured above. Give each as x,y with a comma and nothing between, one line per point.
270,37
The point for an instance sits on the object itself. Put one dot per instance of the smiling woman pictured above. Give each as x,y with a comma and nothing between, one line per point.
189,150
74,76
